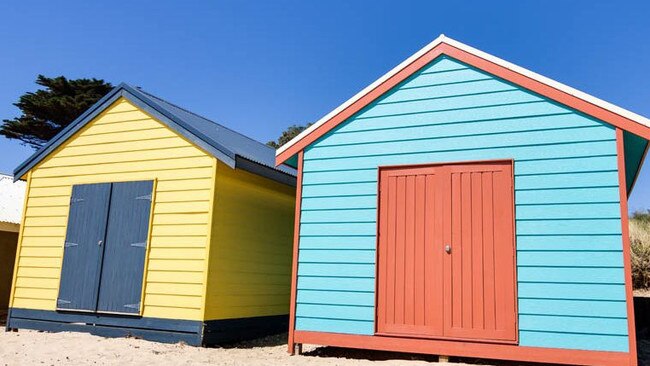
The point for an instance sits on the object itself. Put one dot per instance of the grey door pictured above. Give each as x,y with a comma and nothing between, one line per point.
83,247
124,253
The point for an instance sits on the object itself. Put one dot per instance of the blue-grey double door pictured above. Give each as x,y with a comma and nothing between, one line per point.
105,247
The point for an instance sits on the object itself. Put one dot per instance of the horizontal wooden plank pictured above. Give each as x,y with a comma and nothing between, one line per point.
573,341
336,297
176,265
50,262
366,313
569,211
440,65
37,282
180,218
38,304
41,252
330,242
351,228
45,221
337,203
571,275
335,325
570,227
177,253
179,230
181,196
173,301
336,256
583,179
570,258
442,91
567,324
182,207
336,283
615,309
179,241
324,216
165,312
36,272
175,277
52,211
564,242
141,135
172,288
184,184
337,269
435,79
123,126
572,291
49,231
564,196
35,293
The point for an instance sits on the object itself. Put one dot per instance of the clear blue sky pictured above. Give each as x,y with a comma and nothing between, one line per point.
260,66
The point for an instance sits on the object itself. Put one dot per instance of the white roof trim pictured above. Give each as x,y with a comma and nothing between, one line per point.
518,69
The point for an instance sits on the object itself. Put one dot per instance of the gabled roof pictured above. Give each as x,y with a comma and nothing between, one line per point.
12,196
551,89
233,148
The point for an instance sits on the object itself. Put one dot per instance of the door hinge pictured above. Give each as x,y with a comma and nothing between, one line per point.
133,306
145,197
69,244
62,302
75,200
139,245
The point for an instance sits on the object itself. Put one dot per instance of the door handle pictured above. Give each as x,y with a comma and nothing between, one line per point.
448,248
99,243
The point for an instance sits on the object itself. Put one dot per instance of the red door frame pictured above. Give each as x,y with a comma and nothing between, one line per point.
514,244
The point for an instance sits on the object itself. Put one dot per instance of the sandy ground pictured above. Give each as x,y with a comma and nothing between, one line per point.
27,347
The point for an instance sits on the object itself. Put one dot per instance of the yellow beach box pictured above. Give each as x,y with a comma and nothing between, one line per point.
142,218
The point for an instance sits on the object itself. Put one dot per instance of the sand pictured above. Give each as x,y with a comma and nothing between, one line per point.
27,347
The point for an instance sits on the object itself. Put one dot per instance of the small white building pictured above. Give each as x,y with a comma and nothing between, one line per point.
12,195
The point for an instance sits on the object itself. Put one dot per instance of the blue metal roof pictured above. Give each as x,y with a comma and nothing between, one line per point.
227,145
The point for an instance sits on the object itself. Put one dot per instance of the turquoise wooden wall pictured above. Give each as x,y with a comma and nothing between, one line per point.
569,246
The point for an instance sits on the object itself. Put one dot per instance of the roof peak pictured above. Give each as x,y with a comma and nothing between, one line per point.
447,46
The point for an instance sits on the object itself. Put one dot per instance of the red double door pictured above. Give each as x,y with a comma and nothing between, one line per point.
446,261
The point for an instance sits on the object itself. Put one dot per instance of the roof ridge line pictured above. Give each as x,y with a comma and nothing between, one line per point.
203,117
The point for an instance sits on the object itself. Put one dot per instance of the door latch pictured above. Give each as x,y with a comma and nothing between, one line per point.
99,243
448,248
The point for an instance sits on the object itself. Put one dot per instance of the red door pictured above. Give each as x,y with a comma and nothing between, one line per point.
446,252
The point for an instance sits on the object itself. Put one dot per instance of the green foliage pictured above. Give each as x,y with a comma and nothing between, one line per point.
640,245
291,132
47,111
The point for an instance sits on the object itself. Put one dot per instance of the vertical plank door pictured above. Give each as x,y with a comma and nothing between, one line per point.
120,289
479,265
83,247
409,294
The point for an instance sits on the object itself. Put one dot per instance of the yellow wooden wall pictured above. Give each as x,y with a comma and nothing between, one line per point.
123,144
250,256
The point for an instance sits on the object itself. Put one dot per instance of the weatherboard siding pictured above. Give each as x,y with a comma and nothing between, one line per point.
124,144
249,271
568,229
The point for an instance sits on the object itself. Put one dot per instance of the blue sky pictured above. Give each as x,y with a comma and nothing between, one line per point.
260,66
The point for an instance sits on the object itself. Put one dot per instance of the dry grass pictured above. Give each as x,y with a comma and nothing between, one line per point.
640,241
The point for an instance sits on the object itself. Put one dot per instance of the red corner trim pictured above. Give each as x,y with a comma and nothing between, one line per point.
294,267
467,349
627,261
480,63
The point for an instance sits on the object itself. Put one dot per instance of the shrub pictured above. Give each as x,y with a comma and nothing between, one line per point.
640,242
